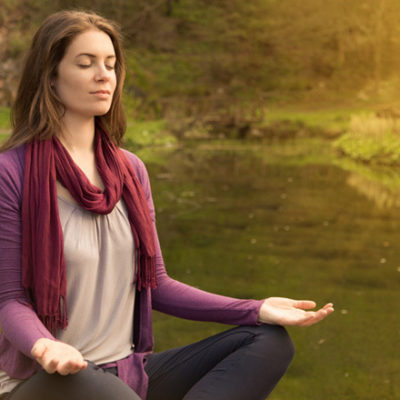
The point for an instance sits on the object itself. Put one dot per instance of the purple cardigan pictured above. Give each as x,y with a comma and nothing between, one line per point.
21,326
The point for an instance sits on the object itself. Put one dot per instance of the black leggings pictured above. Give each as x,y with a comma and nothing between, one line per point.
243,363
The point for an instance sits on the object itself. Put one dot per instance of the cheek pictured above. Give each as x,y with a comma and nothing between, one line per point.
70,83
74,82
114,82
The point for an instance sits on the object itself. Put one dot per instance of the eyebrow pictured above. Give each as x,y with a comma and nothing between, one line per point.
94,56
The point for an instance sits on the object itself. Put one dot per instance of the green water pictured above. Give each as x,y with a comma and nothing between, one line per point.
283,220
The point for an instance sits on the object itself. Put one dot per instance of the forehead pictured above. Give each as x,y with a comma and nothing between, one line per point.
94,42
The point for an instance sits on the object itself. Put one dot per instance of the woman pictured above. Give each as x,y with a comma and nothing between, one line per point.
80,263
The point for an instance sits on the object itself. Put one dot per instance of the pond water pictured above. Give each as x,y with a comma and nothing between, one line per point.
260,220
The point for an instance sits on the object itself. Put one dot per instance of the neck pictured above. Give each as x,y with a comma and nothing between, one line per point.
77,135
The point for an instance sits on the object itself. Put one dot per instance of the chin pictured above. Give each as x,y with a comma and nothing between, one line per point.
100,114
102,111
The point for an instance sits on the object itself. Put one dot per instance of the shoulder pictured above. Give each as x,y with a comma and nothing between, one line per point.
13,158
138,166
12,170
142,176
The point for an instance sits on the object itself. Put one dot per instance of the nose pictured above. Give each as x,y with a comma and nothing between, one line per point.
103,74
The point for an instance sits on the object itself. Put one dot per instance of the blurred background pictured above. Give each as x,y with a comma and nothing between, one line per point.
271,133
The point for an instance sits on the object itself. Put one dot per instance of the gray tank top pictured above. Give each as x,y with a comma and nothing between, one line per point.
100,260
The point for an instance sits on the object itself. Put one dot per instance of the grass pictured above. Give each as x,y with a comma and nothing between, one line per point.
5,118
147,133
332,121
371,139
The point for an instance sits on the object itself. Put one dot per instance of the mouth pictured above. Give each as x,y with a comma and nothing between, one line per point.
101,92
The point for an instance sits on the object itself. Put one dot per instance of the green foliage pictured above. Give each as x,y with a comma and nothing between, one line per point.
260,51
384,151
147,133
371,139
5,118
17,45
332,121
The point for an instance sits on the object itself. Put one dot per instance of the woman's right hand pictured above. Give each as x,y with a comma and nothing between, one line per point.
58,357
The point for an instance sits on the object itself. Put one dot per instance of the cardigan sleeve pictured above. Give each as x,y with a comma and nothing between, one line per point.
181,300
19,323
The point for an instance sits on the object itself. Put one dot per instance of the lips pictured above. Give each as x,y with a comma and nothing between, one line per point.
101,95
101,92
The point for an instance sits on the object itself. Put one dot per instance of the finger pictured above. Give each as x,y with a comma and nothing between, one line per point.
305,321
300,320
305,304
78,366
65,368
71,367
316,316
50,366
328,308
319,316
50,360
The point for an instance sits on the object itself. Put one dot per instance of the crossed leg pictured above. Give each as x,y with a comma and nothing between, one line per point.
243,363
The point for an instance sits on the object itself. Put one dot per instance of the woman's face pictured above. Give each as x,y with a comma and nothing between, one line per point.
86,77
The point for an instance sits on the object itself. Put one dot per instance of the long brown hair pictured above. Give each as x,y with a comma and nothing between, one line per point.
37,111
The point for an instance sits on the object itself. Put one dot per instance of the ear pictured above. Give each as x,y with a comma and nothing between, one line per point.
53,79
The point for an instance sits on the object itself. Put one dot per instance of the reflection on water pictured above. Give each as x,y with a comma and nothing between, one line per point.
247,223
380,184
382,196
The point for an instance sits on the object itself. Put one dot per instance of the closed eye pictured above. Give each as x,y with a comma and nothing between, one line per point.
108,67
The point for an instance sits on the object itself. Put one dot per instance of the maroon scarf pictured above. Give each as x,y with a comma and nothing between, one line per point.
43,262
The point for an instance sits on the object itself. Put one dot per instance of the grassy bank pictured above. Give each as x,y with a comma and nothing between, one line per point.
275,123
371,139
356,134
328,122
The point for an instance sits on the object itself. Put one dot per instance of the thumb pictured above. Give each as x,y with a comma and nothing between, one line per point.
38,349
305,304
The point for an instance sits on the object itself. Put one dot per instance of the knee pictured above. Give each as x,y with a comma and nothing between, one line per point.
91,383
277,338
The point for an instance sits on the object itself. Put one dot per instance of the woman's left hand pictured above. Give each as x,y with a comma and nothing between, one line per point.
283,311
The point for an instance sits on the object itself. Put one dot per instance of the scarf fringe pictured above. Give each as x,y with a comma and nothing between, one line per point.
55,321
146,275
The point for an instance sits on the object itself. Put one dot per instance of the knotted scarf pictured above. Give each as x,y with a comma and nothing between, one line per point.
43,262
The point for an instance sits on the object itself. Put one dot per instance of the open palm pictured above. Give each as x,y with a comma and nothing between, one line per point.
283,311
